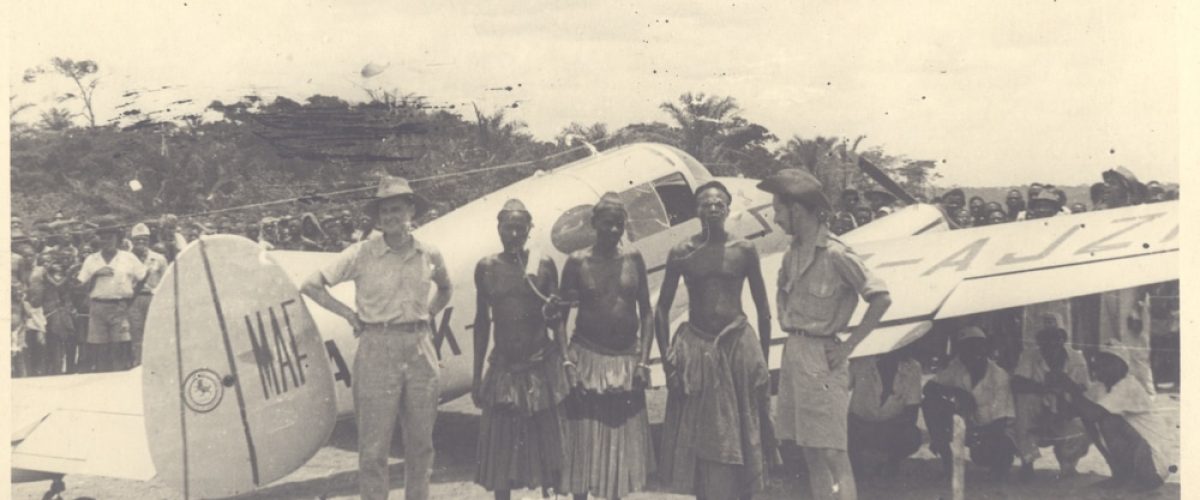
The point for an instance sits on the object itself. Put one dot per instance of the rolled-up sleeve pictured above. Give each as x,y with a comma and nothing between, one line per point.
855,273
342,268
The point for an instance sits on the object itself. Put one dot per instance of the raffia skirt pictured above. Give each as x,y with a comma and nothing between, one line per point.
718,411
520,433
606,431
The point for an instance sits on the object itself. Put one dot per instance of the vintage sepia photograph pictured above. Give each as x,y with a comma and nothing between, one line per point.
595,250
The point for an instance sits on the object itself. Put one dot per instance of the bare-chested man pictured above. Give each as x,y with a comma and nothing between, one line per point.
607,439
717,431
520,443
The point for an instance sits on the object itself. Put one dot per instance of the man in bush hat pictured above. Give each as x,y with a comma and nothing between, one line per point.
156,266
111,277
396,368
820,283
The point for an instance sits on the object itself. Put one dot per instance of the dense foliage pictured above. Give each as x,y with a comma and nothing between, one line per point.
256,152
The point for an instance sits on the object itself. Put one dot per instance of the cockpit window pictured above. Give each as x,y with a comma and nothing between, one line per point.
677,198
573,230
646,213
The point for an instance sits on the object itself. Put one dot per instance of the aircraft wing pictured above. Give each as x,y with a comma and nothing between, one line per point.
81,424
949,274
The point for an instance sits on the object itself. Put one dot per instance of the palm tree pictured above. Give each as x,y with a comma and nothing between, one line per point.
702,120
591,134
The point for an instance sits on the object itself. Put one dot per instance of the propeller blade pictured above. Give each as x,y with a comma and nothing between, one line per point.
884,181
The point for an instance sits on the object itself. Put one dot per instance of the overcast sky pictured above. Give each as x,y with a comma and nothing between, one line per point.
1004,92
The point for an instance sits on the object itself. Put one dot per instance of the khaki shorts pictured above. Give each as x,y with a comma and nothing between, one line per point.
108,322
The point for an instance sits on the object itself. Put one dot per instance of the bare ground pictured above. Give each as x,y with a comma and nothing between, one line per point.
332,473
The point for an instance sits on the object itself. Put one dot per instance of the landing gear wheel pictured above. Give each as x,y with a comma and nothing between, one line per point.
57,486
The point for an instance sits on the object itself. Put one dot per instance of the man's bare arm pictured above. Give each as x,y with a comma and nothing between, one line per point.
644,310
662,311
758,292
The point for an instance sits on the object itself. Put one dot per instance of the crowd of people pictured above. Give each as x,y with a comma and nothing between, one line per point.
568,412
57,303
1038,200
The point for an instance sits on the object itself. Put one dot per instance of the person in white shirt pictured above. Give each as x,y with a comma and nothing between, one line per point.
1119,414
111,277
156,266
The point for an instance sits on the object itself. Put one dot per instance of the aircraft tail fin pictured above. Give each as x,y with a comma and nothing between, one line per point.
237,391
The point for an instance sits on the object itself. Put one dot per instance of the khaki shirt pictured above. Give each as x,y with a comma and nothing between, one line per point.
156,267
865,401
993,393
390,286
127,271
819,294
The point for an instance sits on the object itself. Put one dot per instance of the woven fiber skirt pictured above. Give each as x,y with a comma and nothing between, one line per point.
606,431
718,409
520,433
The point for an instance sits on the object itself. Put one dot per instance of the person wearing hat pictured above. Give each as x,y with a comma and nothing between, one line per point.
953,201
1041,419
520,432
715,361
1122,188
396,368
820,283
1120,415
111,277
975,388
1045,204
156,267
607,431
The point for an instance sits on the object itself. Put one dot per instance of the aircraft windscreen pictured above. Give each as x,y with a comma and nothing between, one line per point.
646,213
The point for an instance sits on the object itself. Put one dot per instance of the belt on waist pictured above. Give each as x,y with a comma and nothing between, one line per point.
108,301
806,333
401,326
146,292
